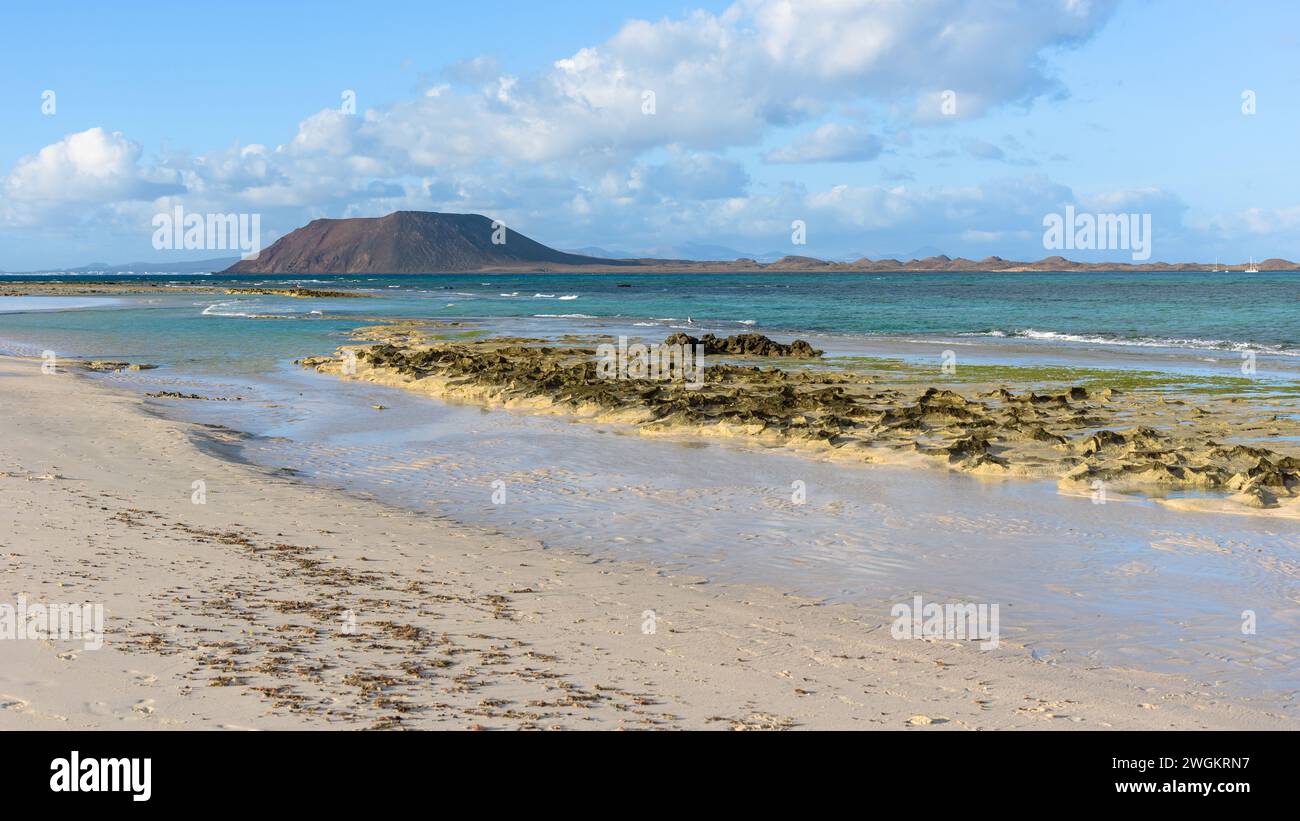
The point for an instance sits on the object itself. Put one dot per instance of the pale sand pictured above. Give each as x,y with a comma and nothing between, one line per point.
226,615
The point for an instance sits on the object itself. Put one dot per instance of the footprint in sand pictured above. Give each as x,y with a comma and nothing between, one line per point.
14,703
143,707
68,656
143,678
18,705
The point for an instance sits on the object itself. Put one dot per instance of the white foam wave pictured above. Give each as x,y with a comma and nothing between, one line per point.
243,310
1192,343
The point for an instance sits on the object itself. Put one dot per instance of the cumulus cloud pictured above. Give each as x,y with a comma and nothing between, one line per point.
987,53
89,166
1007,205
714,81
695,176
831,142
612,134
1258,222
234,168
1149,200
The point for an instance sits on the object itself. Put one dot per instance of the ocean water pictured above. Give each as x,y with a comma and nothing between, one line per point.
1186,312
1129,583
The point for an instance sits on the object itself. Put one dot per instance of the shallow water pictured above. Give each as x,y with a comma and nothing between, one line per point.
1121,583
24,304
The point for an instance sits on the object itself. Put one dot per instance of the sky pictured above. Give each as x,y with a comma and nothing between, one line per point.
830,128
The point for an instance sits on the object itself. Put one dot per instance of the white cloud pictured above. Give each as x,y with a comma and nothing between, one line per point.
1262,222
572,147
724,80
234,168
89,166
329,132
694,177
832,142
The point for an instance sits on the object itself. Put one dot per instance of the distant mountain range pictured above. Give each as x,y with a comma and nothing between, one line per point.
200,266
418,242
425,242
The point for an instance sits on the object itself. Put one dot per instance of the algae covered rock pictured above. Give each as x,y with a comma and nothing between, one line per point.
746,345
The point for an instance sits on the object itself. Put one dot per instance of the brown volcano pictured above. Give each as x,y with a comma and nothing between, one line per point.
405,242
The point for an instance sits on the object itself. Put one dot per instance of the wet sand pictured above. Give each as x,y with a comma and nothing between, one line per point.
232,614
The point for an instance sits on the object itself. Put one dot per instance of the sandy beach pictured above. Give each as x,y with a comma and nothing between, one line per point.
277,604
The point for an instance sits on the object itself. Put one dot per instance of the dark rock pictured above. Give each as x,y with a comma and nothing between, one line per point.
745,345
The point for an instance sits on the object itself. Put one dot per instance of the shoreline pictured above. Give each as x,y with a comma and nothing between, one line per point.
786,265
456,626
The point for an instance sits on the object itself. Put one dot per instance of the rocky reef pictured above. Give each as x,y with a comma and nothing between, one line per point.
297,293
1090,440
106,366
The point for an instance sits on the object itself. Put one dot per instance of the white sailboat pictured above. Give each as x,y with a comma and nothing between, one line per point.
1251,269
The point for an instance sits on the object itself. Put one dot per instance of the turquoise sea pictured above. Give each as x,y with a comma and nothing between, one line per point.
1199,313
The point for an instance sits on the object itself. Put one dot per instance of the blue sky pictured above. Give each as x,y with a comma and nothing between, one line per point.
766,112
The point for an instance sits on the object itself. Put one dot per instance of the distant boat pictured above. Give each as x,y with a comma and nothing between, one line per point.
1251,269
